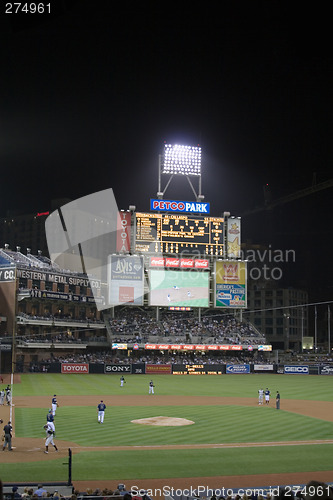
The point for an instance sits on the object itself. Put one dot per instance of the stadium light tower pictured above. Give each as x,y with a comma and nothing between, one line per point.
180,160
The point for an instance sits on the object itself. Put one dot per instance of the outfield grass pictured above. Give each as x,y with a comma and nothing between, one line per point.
314,387
214,423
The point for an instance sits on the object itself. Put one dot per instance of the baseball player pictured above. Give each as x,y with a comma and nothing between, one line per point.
122,381
151,387
2,397
8,395
50,433
277,401
101,410
54,405
7,437
267,395
49,416
261,396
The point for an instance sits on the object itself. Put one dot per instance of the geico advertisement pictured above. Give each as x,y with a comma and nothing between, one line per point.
296,369
74,368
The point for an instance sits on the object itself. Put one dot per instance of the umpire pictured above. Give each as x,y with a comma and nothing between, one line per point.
8,437
277,400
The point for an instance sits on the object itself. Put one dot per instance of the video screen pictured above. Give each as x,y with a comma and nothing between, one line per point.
179,288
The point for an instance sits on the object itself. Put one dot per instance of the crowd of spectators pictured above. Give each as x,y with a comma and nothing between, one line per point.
313,490
182,357
141,325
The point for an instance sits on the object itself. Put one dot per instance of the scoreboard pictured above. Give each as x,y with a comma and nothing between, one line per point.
172,233
198,369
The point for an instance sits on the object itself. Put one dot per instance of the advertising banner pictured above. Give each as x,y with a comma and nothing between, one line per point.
123,232
296,369
238,369
117,369
326,370
138,368
213,369
234,237
158,369
263,368
230,284
74,367
117,345
125,280
7,274
264,347
71,297
58,278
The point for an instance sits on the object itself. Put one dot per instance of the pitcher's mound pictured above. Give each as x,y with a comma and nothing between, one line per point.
172,421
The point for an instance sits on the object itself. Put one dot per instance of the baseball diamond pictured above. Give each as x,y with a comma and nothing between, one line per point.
227,443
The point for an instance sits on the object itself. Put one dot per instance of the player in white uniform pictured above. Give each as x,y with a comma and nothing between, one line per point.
50,432
151,387
54,405
261,396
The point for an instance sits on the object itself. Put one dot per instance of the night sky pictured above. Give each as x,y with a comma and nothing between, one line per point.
90,93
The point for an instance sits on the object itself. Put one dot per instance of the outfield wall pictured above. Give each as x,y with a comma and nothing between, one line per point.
183,369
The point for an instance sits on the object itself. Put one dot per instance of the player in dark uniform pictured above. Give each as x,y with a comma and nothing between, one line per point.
7,437
267,395
101,410
277,400
49,416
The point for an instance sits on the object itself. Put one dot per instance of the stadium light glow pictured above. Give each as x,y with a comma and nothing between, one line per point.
181,160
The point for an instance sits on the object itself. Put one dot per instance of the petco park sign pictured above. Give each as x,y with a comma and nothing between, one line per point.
74,368
179,206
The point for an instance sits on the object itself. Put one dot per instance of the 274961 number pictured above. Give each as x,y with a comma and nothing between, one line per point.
28,8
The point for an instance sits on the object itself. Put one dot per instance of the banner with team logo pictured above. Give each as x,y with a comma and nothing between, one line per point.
234,238
230,284
326,370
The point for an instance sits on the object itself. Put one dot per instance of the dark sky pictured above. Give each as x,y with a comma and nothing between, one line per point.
90,92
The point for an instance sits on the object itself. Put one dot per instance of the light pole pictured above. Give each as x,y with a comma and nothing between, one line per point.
286,337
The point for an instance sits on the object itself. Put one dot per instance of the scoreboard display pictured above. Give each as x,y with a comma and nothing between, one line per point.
172,233
197,369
